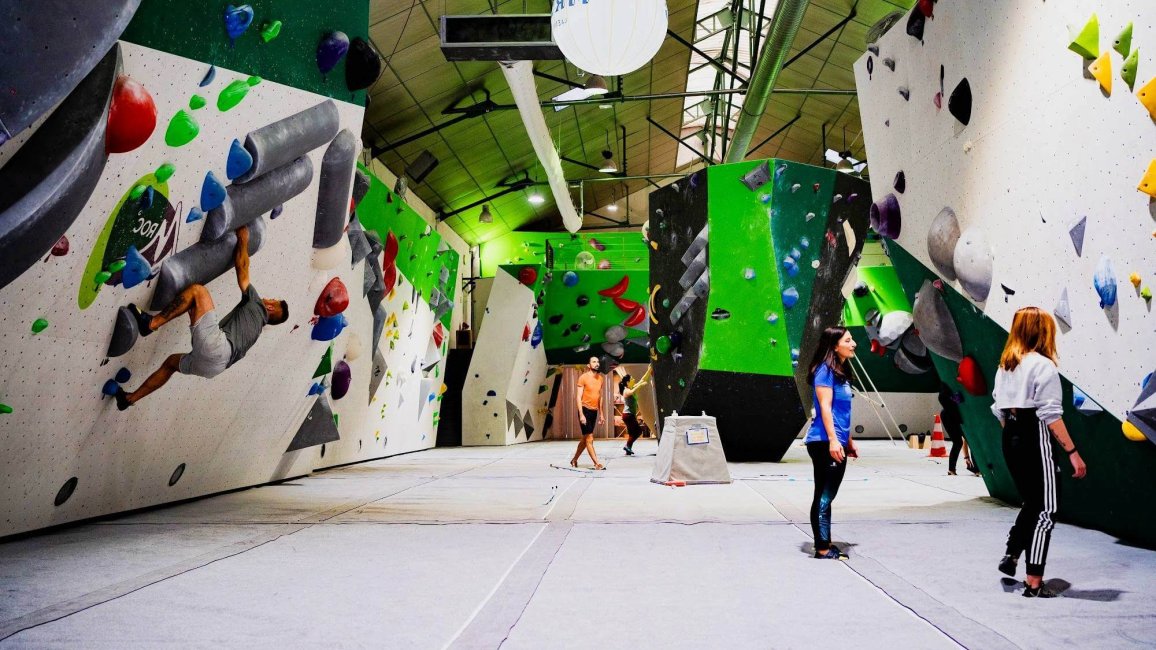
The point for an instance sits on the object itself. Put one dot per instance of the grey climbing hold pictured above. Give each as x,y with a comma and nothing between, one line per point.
1063,310
245,202
757,177
201,263
358,244
1077,235
333,188
377,374
973,264
936,327
318,427
942,236
379,316
124,333
286,140
360,186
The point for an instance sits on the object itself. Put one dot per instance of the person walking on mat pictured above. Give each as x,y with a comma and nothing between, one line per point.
1029,405
952,421
589,411
216,346
630,407
829,440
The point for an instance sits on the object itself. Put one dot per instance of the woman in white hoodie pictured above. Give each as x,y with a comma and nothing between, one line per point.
1029,405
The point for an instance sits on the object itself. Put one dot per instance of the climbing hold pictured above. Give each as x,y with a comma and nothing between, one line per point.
893,325
942,236
1148,182
528,275
1128,68
110,388
1146,293
959,103
136,270
890,63
870,66
124,333
5,409
1131,432
536,336
933,320
132,116
905,93
195,214
1105,282
795,188
237,21
604,265
1086,42
584,260
327,328
101,277
235,92
1084,404
618,289
790,266
182,129
164,172
316,389
1135,279
970,376
333,300
1147,96
1063,309
757,177
1123,42
239,161
332,47
326,364
147,200
39,325
276,212
662,344
362,65
212,193
210,75
916,22
597,245
790,297
117,265
973,263
748,273
1101,71
570,278
900,183
720,314
582,301
122,375
270,31
342,378
615,333
136,192
60,248
1077,231
1007,291
626,305
636,317
810,215
885,217
836,198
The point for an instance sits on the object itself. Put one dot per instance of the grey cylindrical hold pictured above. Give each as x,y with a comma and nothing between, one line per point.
360,186
201,263
333,189
244,203
283,141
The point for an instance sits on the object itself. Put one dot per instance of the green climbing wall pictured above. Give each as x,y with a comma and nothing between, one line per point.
196,30
625,251
1120,482
418,257
560,314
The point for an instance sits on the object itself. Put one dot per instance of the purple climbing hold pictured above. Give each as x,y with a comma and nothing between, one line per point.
209,76
900,182
885,217
136,268
195,214
342,378
330,50
277,211
237,20
212,193
239,162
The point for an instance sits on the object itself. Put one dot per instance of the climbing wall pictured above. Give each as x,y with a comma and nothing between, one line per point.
129,191
594,313
503,402
1023,191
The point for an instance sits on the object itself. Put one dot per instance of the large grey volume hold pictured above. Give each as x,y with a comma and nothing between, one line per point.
333,189
201,263
244,203
283,141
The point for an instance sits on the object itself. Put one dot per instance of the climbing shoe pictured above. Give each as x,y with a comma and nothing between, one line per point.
1038,592
142,321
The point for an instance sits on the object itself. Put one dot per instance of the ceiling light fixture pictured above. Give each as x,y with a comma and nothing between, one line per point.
596,85
607,166
485,216
613,207
535,198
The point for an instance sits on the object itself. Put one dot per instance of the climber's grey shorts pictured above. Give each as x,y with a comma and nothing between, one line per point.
211,349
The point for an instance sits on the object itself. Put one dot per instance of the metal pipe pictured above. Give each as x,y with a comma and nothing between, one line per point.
784,25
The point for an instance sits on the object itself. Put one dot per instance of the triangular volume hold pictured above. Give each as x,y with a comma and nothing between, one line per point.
1086,42
1077,235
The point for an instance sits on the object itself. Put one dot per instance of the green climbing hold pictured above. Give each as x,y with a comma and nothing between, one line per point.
136,192
182,129
1087,42
1146,293
1123,42
326,365
235,92
196,102
1128,70
682,383
4,408
666,303
101,277
662,344
405,306
39,325
164,172
116,265
335,423
270,31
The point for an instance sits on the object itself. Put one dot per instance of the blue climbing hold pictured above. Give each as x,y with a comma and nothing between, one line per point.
1105,282
240,160
790,297
570,278
146,200
277,211
791,266
123,375
110,387
805,243
797,254
136,268
212,193
330,50
328,327
237,20
317,388
209,76
491,393
536,338
194,215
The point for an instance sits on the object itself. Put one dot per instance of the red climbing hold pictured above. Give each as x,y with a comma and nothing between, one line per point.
878,348
526,332
927,7
132,116
528,275
439,334
333,300
391,247
60,248
625,305
971,377
617,290
636,317
389,264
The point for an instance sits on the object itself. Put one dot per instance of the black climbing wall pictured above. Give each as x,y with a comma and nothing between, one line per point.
450,425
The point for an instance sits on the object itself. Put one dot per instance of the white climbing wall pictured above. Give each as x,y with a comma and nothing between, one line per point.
1044,148
227,432
506,365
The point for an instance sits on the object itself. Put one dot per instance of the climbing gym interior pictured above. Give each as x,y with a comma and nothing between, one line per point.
391,252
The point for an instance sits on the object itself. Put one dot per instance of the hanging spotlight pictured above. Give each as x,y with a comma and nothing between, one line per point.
613,207
535,198
485,216
844,165
607,166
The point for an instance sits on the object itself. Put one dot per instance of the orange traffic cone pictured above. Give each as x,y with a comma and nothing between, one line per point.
938,447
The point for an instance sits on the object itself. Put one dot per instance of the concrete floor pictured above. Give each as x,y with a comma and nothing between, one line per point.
489,547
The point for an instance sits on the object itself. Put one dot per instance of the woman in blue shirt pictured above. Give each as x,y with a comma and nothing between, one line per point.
829,440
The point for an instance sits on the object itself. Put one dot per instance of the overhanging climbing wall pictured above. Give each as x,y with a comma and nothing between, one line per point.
747,265
1020,176
267,136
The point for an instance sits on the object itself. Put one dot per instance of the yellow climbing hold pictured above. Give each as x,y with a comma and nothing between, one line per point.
1135,278
1101,69
1087,42
1147,97
1132,433
1148,183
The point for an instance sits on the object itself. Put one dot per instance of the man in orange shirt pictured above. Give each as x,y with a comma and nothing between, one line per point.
589,411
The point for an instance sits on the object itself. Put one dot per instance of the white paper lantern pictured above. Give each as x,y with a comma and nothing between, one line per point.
609,37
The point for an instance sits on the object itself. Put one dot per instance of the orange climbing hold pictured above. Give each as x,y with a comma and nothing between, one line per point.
1101,69
1148,182
1147,96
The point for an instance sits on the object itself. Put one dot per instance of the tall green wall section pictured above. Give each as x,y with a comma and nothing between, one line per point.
195,29
1120,487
